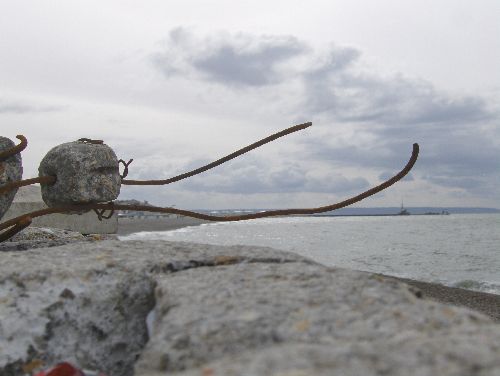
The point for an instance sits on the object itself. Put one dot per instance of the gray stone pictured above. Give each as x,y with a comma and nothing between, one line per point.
414,356
226,311
365,324
11,169
85,172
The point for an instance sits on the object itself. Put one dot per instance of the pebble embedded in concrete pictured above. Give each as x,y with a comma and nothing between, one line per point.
86,173
11,169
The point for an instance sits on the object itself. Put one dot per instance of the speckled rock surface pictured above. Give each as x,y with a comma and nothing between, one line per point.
86,173
364,324
87,303
39,237
10,170
350,358
163,308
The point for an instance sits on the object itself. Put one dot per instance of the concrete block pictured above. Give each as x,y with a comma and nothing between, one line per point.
29,199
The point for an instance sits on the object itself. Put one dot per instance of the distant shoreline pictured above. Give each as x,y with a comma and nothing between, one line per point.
128,226
488,304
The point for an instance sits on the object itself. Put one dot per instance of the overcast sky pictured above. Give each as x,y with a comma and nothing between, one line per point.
176,84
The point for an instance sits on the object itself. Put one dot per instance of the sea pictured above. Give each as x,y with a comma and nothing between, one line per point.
459,250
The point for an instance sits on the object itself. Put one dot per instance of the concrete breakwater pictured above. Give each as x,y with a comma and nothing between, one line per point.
156,308
29,199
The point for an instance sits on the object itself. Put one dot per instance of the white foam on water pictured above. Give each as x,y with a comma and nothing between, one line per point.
456,250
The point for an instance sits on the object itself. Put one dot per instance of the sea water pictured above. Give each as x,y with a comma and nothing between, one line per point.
461,250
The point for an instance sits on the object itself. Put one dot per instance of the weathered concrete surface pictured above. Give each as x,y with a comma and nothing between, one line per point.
43,237
226,311
87,302
10,170
86,173
365,326
29,199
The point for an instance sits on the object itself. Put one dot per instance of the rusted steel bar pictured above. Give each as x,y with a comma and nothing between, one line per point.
125,167
23,222
220,161
90,141
188,213
21,183
15,149
283,212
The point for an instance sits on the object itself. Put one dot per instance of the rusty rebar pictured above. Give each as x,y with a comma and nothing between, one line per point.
15,149
270,213
21,183
100,212
125,167
23,222
222,160
90,141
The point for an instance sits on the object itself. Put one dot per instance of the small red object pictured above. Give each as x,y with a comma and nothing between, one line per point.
62,369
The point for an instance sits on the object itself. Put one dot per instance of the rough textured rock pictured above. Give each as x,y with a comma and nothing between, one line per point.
367,326
87,303
226,311
39,237
422,358
85,172
10,170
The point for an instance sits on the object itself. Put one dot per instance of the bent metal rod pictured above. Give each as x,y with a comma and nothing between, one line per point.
17,224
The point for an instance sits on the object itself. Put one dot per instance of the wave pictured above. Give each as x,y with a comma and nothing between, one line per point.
481,286
156,235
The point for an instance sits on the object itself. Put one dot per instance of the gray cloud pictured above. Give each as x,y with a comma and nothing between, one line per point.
333,86
347,96
457,149
458,135
240,60
463,157
386,175
485,187
252,175
258,67
16,107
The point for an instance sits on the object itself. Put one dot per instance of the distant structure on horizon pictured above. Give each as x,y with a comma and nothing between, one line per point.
140,214
403,211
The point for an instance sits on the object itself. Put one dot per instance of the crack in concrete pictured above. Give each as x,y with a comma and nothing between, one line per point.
178,266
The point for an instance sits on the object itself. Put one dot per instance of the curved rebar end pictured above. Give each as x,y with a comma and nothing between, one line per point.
416,148
15,149
125,167
413,158
304,125
24,141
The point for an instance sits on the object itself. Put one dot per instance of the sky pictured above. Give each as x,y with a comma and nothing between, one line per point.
177,84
